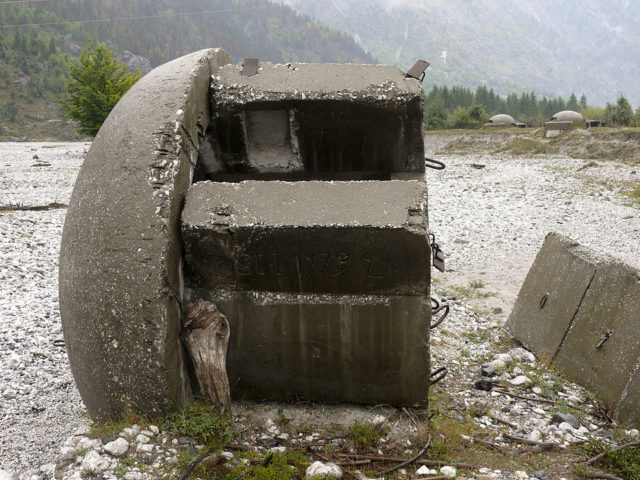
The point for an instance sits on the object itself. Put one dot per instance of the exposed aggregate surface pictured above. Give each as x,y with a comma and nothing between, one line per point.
490,220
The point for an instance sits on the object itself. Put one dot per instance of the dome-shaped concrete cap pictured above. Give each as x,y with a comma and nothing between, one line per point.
567,116
120,259
502,118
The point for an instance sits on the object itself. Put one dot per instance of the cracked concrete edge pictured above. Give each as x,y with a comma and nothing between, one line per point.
120,258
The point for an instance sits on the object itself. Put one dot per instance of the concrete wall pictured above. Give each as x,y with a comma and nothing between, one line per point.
581,311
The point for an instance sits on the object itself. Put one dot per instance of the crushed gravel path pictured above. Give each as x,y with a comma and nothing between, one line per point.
490,213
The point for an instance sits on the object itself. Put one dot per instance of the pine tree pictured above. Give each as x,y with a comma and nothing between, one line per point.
583,102
572,104
96,85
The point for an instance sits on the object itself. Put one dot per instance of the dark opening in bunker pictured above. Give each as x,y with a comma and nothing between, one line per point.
319,140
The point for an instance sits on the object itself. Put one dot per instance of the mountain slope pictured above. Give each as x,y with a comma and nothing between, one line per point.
34,56
581,46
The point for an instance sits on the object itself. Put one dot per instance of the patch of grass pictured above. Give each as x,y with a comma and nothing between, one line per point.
525,146
634,194
202,422
472,290
123,466
365,435
624,463
112,427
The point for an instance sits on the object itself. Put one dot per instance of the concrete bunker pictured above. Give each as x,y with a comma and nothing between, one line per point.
294,199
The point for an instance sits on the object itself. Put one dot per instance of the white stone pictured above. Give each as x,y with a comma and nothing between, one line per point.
424,470
583,430
521,381
129,432
537,390
633,433
133,475
141,438
448,471
534,436
522,355
5,475
94,463
321,468
504,357
154,429
518,371
118,447
521,474
227,455
565,427
144,448
147,433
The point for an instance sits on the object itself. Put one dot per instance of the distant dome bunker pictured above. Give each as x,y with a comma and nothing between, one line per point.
294,199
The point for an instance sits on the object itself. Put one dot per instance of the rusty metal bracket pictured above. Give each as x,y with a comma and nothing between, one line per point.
435,304
438,254
435,164
437,323
438,375
249,67
418,70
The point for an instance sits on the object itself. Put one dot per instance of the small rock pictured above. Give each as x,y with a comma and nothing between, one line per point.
633,433
488,370
227,455
144,448
496,311
483,384
534,436
321,468
147,433
94,463
118,447
521,474
565,427
154,429
504,357
518,371
521,381
522,355
537,390
142,439
448,471
5,475
541,475
107,439
560,418
424,470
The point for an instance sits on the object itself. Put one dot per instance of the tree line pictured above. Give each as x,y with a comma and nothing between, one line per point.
462,107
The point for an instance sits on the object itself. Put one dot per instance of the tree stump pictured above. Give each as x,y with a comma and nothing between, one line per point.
205,332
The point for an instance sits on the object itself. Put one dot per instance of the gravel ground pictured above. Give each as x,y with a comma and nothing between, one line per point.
39,404
490,214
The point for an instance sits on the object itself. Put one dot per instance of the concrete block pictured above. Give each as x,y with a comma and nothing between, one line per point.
120,258
589,325
308,237
609,313
328,118
360,349
551,294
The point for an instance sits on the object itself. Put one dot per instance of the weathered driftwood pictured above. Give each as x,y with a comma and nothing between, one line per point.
206,335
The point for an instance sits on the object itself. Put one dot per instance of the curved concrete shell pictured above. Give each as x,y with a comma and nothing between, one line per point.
121,249
567,116
502,119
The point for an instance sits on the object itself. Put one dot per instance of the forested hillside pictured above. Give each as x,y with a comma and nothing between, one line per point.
37,40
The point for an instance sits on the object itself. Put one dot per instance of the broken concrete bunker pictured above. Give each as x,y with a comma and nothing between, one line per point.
581,311
294,199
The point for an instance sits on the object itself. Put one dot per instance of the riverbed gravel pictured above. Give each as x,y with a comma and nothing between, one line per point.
490,213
